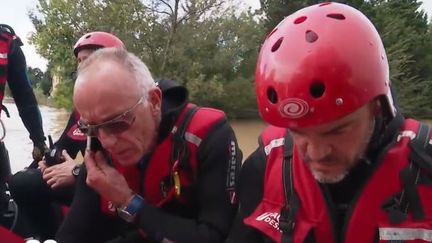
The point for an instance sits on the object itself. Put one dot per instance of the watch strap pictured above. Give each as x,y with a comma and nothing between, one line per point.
129,212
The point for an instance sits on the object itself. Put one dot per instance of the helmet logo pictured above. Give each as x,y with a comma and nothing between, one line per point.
294,108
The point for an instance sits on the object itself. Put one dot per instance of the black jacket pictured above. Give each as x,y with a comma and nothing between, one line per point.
21,89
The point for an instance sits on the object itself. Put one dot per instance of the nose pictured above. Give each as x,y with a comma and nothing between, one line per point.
317,150
108,140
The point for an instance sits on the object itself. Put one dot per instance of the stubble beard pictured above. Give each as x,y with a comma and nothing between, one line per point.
326,178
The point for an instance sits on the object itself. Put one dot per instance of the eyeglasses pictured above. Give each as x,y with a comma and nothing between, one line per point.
114,126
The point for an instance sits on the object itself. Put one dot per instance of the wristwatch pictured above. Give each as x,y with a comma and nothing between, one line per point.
129,212
76,170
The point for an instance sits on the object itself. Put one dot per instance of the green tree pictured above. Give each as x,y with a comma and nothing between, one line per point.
59,23
406,36
40,80
35,75
201,43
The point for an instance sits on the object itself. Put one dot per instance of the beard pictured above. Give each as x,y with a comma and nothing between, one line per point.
331,178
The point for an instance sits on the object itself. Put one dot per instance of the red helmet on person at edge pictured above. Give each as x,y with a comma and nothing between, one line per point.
97,39
319,64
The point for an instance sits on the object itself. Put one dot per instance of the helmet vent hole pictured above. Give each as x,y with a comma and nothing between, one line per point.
272,95
317,89
277,44
311,36
300,20
88,36
324,4
336,16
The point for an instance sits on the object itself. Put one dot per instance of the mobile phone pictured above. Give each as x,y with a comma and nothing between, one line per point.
93,144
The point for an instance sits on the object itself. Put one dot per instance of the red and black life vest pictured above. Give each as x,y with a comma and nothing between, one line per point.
172,169
393,206
74,132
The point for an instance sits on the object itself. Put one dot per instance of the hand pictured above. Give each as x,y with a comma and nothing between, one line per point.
106,180
60,174
42,166
39,151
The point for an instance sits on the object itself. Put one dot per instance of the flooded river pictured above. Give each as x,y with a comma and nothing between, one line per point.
54,120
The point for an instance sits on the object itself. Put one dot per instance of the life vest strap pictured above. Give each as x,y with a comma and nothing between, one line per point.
292,203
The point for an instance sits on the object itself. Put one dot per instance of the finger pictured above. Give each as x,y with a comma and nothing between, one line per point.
95,175
65,155
101,161
48,170
55,185
42,164
90,162
51,181
47,176
42,169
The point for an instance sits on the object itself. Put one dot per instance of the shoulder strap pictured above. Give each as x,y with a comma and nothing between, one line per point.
179,155
422,149
292,203
420,161
179,149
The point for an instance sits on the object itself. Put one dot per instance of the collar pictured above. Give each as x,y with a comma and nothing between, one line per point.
174,99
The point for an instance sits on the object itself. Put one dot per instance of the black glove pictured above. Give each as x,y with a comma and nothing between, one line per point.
39,150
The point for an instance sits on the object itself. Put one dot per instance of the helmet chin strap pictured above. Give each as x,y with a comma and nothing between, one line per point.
375,140
383,133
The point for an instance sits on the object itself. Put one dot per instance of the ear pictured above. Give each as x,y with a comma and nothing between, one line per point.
155,100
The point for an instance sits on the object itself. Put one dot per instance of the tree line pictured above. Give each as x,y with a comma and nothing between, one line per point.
211,46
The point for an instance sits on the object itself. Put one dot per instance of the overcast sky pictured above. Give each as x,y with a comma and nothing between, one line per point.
14,13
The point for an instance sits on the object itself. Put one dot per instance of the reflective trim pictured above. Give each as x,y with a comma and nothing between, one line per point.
174,129
192,138
406,133
273,144
3,55
405,234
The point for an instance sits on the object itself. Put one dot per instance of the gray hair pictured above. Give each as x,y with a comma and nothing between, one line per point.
128,60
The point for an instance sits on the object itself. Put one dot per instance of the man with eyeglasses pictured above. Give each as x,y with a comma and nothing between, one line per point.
47,184
166,168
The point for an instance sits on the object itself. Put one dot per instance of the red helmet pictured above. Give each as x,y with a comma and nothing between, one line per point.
97,39
319,64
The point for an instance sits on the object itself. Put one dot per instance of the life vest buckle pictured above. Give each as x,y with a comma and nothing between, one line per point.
286,225
164,188
177,183
286,220
393,206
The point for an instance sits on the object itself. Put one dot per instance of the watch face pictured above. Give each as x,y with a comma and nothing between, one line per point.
75,171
